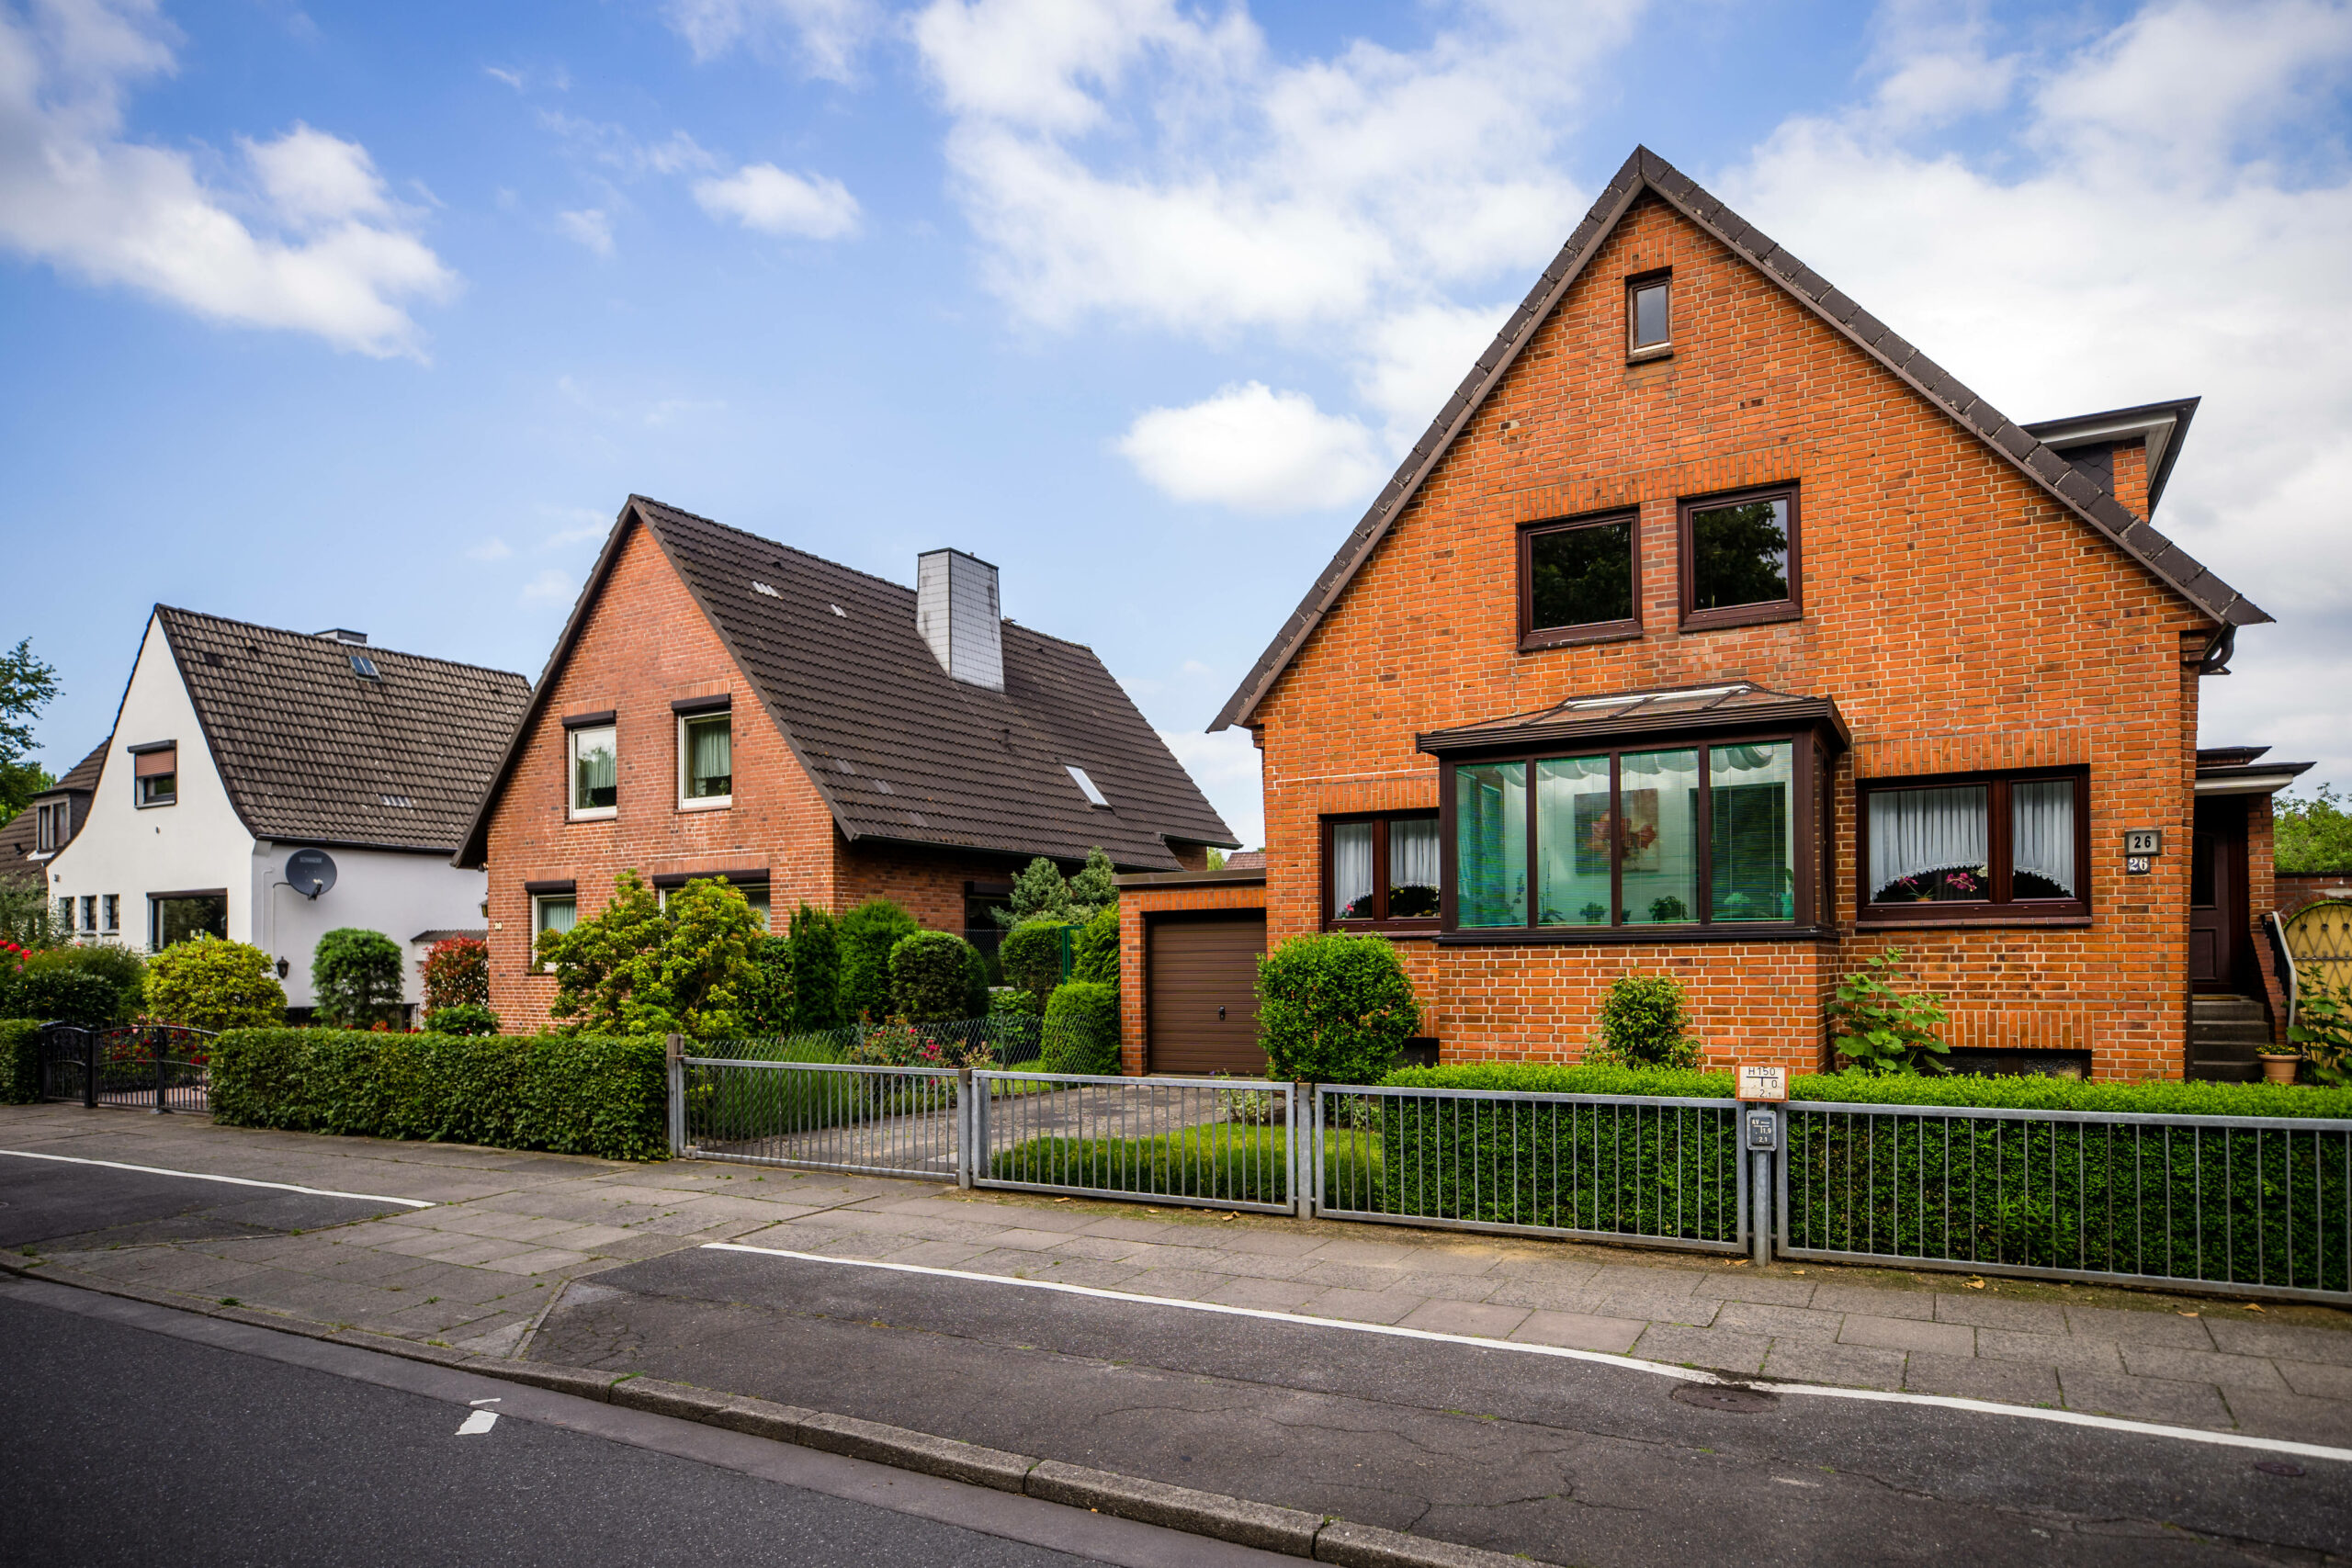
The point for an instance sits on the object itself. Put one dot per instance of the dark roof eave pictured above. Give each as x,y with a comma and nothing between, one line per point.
1247,878
1809,713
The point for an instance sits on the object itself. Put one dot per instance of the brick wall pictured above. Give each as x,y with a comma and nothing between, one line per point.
1135,904
1960,619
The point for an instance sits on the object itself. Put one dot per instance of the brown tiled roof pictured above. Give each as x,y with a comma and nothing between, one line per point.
899,749
1647,173
18,834
1683,709
1246,860
311,751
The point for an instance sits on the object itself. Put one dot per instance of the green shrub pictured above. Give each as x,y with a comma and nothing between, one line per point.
1032,955
19,1060
867,934
1550,1077
1094,948
931,977
1011,1001
205,983
1040,892
61,993
1646,1023
2322,1027
457,973
637,968
461,1018
1880,1029
1216,1160
766,996
356,977
1083,1028
1334,1008
571,1094
816,971
1095,888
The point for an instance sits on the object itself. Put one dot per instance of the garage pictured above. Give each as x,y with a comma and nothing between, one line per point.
1201,1002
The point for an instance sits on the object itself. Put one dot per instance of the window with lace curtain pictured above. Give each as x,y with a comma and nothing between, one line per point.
1381,871
1982,849
705,760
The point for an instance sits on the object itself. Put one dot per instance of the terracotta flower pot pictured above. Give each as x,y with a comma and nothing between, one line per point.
2280,1069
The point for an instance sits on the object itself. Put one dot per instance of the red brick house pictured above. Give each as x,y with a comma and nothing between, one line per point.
1713,630
720,703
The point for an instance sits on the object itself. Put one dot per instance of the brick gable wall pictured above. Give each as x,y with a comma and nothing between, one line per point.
1958,617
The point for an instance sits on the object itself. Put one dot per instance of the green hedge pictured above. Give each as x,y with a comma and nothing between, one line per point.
1242,1164
1081,1033
570,1094
19,1060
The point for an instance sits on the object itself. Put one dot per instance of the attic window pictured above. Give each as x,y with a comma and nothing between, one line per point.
1648,319
758,587
364,667
837,610
402,801
1086,786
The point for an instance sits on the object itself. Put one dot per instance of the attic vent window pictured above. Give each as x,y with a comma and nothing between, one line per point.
1086,786
758,587
364,667
402,801
212,659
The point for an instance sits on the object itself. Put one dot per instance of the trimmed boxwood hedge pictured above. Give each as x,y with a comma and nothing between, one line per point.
570,1094
19,1060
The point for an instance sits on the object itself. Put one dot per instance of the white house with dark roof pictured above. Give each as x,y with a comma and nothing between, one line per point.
237,747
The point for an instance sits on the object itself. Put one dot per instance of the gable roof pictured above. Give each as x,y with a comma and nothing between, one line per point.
2163,426
1645,173
310,751
19,836
899,749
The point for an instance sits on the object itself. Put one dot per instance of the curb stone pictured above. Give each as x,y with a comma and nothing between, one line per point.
1265,1526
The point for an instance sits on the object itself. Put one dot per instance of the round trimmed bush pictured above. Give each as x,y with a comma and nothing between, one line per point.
1032,956
867,933
207,983
1083,1028
1334,1008
356,977
931,977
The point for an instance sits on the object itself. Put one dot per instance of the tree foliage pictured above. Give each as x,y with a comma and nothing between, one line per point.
356,977
816,971
1095,950
867,934
637,968
457,973
2313,836
1031,956
931,978
27,684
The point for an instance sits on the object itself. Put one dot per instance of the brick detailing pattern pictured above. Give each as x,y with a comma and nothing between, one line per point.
1961,618
1135,904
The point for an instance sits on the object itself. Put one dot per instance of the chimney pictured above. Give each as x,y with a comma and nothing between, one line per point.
345,635
956,610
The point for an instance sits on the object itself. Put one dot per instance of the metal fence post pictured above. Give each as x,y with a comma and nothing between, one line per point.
155,1048
675,1046
90,1069
966,1117
1298,1130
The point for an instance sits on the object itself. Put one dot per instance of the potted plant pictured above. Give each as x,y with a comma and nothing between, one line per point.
2279,1062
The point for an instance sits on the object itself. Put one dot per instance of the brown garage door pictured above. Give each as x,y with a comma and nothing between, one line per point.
1200,982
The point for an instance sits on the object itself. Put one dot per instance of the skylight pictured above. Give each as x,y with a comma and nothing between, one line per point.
758,587
364,667
1085,784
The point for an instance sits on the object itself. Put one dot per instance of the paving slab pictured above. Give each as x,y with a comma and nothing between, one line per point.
2072,1352
1464,1317
1851,1366
1715,1347
1579,1331
1908,1334
2145,1399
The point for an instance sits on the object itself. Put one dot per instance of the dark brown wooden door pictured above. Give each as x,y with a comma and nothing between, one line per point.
1200,992
2219,943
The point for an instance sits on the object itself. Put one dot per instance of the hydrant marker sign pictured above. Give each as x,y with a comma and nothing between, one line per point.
1763,1083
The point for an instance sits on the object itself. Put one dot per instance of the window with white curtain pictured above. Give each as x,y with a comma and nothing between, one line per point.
705,760
1974,848
1381,870
596,772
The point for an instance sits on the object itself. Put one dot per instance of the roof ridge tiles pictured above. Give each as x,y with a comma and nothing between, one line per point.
371,650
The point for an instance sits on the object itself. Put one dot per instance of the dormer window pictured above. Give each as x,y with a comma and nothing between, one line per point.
52,825
1649,321
1086,786
155,773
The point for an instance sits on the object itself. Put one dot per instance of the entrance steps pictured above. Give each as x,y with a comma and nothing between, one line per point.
2225,1038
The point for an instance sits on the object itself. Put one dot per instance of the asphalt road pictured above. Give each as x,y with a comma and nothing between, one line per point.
136,1445
94,1206
1566,1461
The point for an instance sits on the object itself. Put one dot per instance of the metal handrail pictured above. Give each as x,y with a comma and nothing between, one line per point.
2276,928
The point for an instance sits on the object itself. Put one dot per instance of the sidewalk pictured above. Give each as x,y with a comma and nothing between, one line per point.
478,1270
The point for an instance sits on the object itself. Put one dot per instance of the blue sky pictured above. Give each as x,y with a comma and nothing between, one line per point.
372,316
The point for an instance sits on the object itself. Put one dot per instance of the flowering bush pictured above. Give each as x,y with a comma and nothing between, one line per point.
457,973
899,1044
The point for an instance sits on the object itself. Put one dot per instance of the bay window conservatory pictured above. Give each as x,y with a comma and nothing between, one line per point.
1651,816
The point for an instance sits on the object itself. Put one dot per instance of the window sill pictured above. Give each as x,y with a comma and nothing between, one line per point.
148,806
1976,921
1398,929
1650,356
1580,636
1626,936
716,803
605,814
1744,615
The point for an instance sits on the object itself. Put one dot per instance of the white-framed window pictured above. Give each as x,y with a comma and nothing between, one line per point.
705,760
90,914
65,913
159,789
594,772
551,912
110,906
155,770
52,825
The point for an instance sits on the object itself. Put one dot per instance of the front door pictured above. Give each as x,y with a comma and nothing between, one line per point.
2219,945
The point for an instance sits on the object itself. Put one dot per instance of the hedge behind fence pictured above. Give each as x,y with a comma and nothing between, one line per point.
578,1095
19,1060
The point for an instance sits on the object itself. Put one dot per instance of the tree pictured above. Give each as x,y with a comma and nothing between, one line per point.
1039,893
27,683
1095,888
2312,835
356,977
636,968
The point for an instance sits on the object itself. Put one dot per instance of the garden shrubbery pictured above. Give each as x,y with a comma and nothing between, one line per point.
570,1094
867,934
19,1060
355,978
205,983
457,973
1334,1008
1081,1028
92,984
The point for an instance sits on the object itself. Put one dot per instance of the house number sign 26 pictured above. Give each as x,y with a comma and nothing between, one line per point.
2141,848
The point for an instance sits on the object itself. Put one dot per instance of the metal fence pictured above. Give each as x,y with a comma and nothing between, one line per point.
1664,1172
155,1067
2255,1205
869,1121
1215,1143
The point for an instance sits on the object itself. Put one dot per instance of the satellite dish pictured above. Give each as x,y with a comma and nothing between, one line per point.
310,872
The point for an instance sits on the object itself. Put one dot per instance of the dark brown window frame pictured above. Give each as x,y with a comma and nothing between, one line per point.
1789,609
1532,636
1423,925
1642,353
2001,909
1810,762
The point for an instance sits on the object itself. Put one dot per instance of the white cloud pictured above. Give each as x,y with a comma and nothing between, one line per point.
1227,766
822,36
492,549
552,586
1256,450
315,245
762,197
511,78
591,228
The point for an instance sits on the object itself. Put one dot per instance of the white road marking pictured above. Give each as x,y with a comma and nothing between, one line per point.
1657,1369
478,1423
480,1402
234,1180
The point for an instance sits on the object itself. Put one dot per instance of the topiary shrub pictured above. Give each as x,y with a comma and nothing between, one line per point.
356,977
1094,948
1083,1028
1334,1008
767,996
816,971
867,934
1032,956
1644,1022
205,983
931,977
457,973
461,1018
